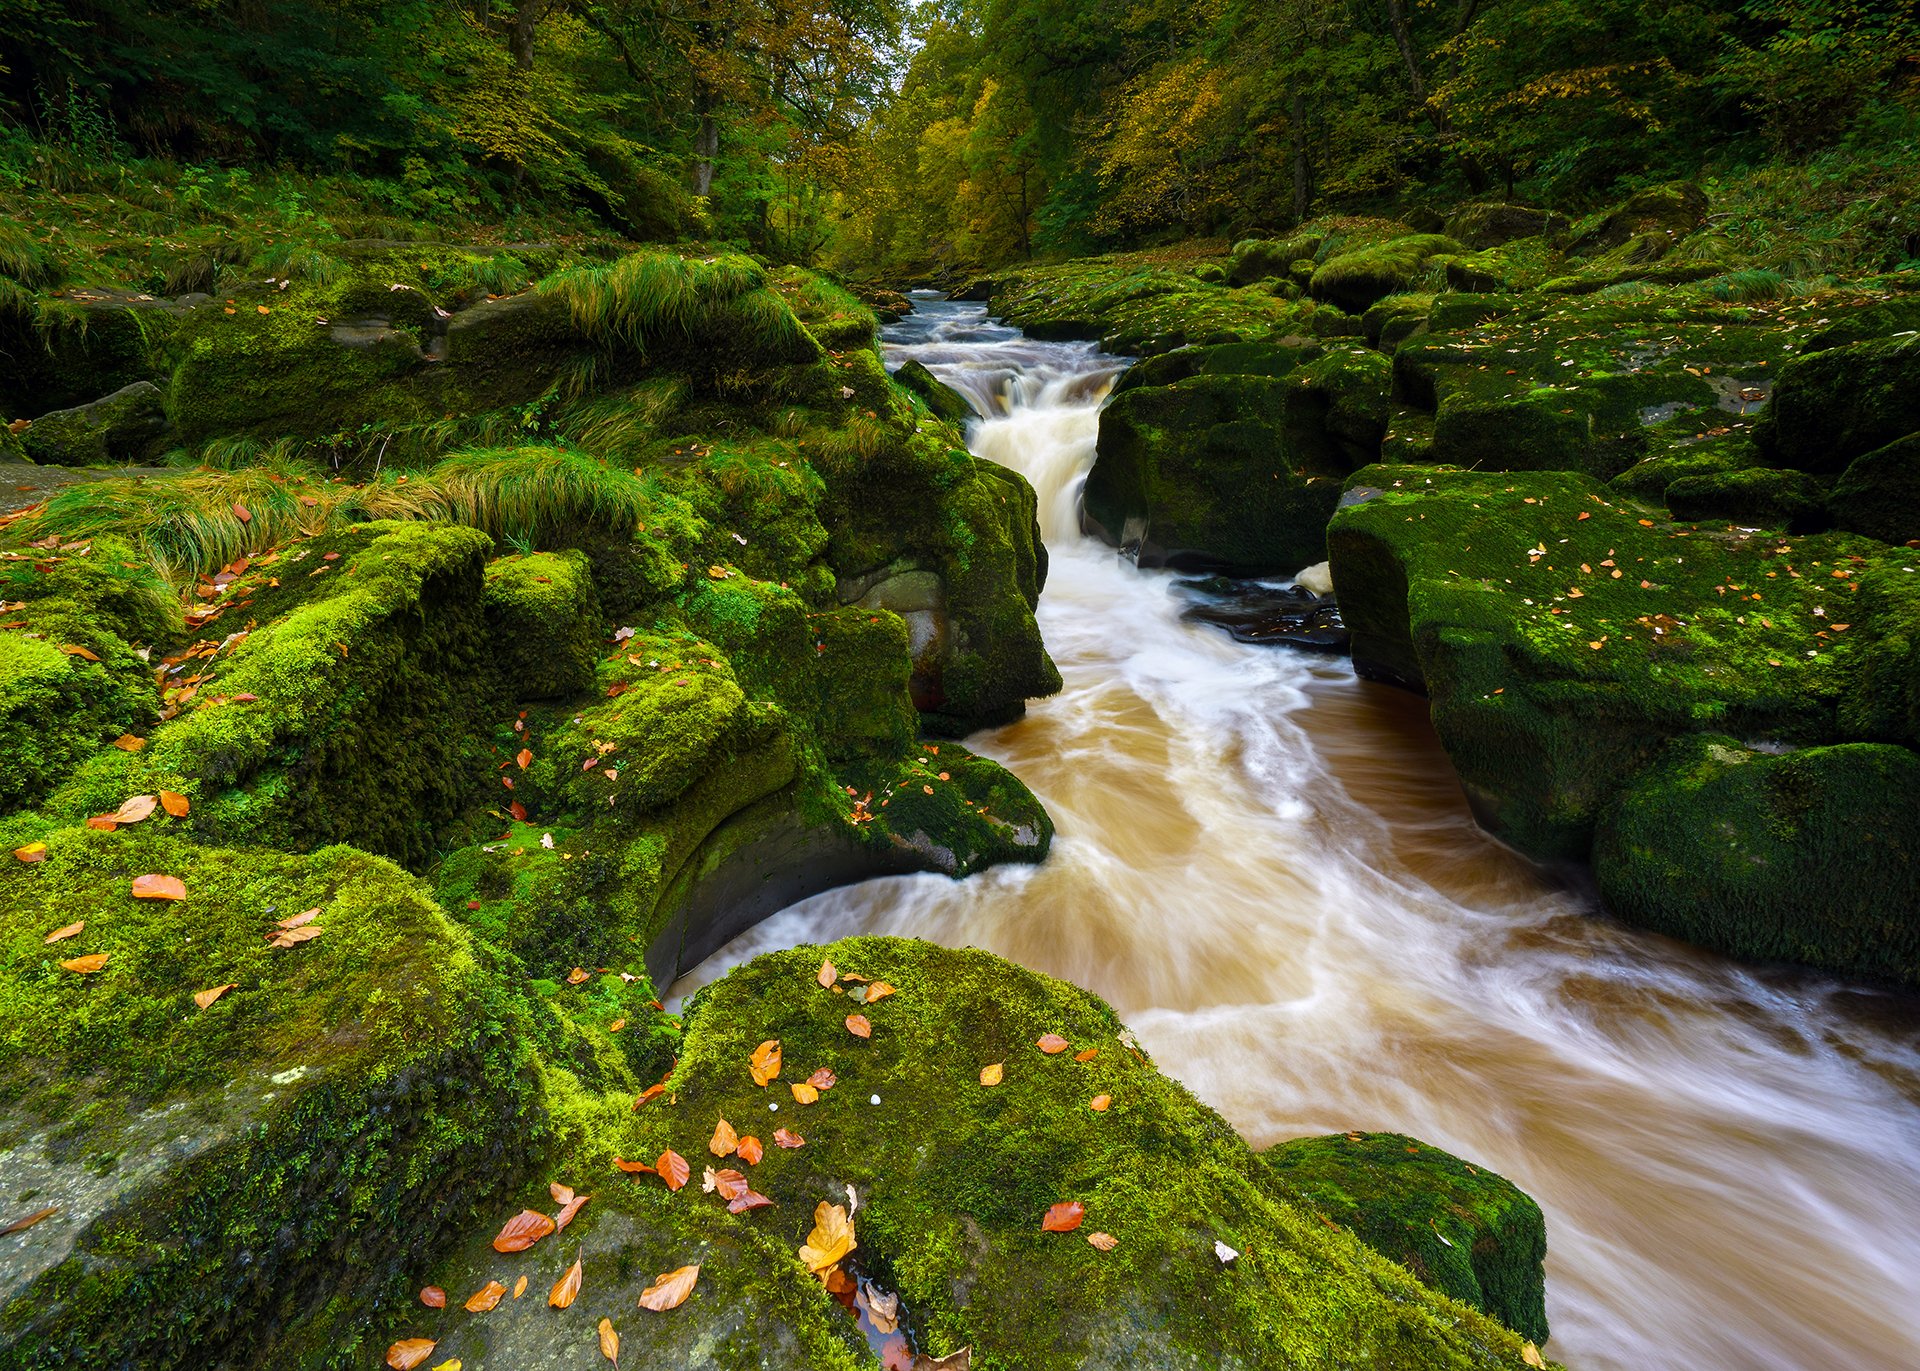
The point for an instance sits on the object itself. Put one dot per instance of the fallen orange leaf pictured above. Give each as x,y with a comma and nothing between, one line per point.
730,1183
203,998
673,1169
783,1138
20,1225
650,1093
632,1168
1098,1104
520,1287
878,990
293,937
831,1239
826,975
992,1075
485,1298
577,976
567,1289
133,810
804,1093
84,653
174,803
1086,1056
87,965
156,887
724,1140
126,742
32,852
568,1210
409,1353
523,756
433,1297
609,1342
765,1063
522,1231
561,1193
823,1079
750,1151
68,931
518,810
1064,1217
1052,1043
858,1026
1106,1242
670,1289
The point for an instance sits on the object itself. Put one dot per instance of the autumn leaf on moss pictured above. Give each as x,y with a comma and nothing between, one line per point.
433,1297
831,1240
134,810
65,931
673,1169
1064,1217
157,887
1052,1044
878,990
633,1168
568,1210
1106,1242
174,803
826,975
804,1093
858,1026
751,1199
730,1183
1100,1103
567,1289
203,998
749,1151
561,1193
724,1140
31,853
788,1140
652,1092
87,965
993,1074
487,1296
523,757
765,1063
823,1079
1087,1055
670,1289
522,1231
408,1353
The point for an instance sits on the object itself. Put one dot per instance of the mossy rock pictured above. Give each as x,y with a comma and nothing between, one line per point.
1491,225
1357,280
1757,496
122,427
1255,259
1833,406
950,1180
543,623
1529,434
1139,306
1879,493
1561,651
56,710
1812,857
1408,311
941,398
1460,1228
69,350
1655,218
252,1181
1649,478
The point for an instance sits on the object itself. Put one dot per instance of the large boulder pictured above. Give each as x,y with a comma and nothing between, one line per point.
1812,857
1648,223
941,398
1361,278
1459,1228
946,1180
1833,406
122,427
1879,493
1491,225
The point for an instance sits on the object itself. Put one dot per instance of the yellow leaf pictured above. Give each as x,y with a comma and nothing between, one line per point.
59,934
804,1093
724,1140
992,1075
826,975
609,1342
668,1291
203,998
831,1239
765,1063
567,1289
86,966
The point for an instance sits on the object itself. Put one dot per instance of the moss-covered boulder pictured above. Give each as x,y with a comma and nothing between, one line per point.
122,427
941,398
1757,496
56,709
1648,223
1833,406
1357,280
948,1181
544,623
1492,224
245,1149
68,348
1255,259
1812,857
1140,304
1879,493
1460,1228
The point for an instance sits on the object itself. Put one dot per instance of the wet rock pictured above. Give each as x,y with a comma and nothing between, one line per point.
1258,612
122,427
1458,1227
941,398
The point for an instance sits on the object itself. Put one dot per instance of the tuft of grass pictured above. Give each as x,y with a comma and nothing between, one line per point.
623,422
1749,284
647,301
24,259
537,494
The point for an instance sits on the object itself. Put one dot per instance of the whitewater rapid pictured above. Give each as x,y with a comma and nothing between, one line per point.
1266,866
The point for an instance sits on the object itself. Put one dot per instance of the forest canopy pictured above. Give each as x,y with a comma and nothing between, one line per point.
888,137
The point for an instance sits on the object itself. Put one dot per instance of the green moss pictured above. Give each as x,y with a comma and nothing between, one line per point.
55,710
1758,496
1879,493
1803,858
1833,406
941,398
1459,1228
544,623
1361,278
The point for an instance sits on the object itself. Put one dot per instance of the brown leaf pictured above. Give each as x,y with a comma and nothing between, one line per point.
567,1289
126,742
561,1193
1100,1103
105,823
609,1342
61,934
858,1026
670,1289
765,1062
518,810
174,803
1086,1056
203,998
826,975
673,1169
650,1093
1531,1356
522,1231
22,1224
752,1199
831,1239
568,1210
409,1353
84,654
878,990
520,1287
433,1297
293,937
1052,1044
1063,1217
523,756
823,1079
300,920
578,976
786,1139
1106,1242
632,1168
31,853
724,1140
993,1074
86,965
486,1297
133,810
749,1151
730,1183
157,887
804,1093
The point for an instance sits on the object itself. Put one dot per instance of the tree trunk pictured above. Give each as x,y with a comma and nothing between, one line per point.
1302,164
526,15
1403,39
706,143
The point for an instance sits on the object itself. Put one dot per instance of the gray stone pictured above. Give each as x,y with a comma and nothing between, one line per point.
121,427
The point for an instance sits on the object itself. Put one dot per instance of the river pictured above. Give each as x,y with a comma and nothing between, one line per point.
1266,866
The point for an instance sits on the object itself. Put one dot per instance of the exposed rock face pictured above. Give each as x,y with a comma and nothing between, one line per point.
122,427
941,398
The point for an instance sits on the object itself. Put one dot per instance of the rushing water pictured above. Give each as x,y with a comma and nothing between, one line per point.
1266,866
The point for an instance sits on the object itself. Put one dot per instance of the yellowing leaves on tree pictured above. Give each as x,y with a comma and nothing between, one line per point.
765,1063
831,1240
